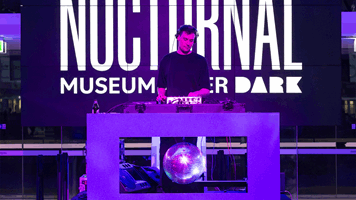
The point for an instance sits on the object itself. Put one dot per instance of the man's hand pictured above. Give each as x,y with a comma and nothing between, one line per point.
161,94
161,97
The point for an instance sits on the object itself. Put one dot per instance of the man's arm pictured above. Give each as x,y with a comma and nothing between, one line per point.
202,92
203,82
161,80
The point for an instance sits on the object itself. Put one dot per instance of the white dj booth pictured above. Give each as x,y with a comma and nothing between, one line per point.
263,149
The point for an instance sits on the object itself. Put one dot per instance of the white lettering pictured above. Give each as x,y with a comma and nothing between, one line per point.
154,34
211,84
136,6
188,15
73,85
210,23
141,83
172,25
259,86
292,84
275,85
112,85
121,14
109,35
124,87
66,11
97,82
242,36
271,38
82,89
288,64
242,84
219,85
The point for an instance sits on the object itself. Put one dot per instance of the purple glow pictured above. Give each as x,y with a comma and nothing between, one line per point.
10,25
183,160
348,23
263,158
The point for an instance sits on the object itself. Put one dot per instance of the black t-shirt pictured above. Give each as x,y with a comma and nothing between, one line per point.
182,74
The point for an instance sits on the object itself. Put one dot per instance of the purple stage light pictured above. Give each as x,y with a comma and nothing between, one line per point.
183,163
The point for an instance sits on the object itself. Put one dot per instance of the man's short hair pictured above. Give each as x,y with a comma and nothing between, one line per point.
189,30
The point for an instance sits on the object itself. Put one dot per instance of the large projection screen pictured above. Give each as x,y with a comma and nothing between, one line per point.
263,153
275,56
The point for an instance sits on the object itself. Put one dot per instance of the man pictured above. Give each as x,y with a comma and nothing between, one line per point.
183,73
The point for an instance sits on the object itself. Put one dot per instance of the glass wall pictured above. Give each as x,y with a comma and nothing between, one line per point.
316,162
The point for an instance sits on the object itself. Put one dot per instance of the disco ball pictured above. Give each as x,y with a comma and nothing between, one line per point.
183,163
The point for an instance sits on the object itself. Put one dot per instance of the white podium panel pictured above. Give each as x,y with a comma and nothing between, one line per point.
261,130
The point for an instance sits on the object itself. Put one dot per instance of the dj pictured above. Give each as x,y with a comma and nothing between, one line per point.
183,73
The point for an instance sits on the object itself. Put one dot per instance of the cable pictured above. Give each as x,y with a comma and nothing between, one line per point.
227,142
111,109
289,194
212,161
201,146
233,158
173,44
201,143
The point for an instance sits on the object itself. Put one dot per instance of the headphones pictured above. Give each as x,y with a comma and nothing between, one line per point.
185,28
